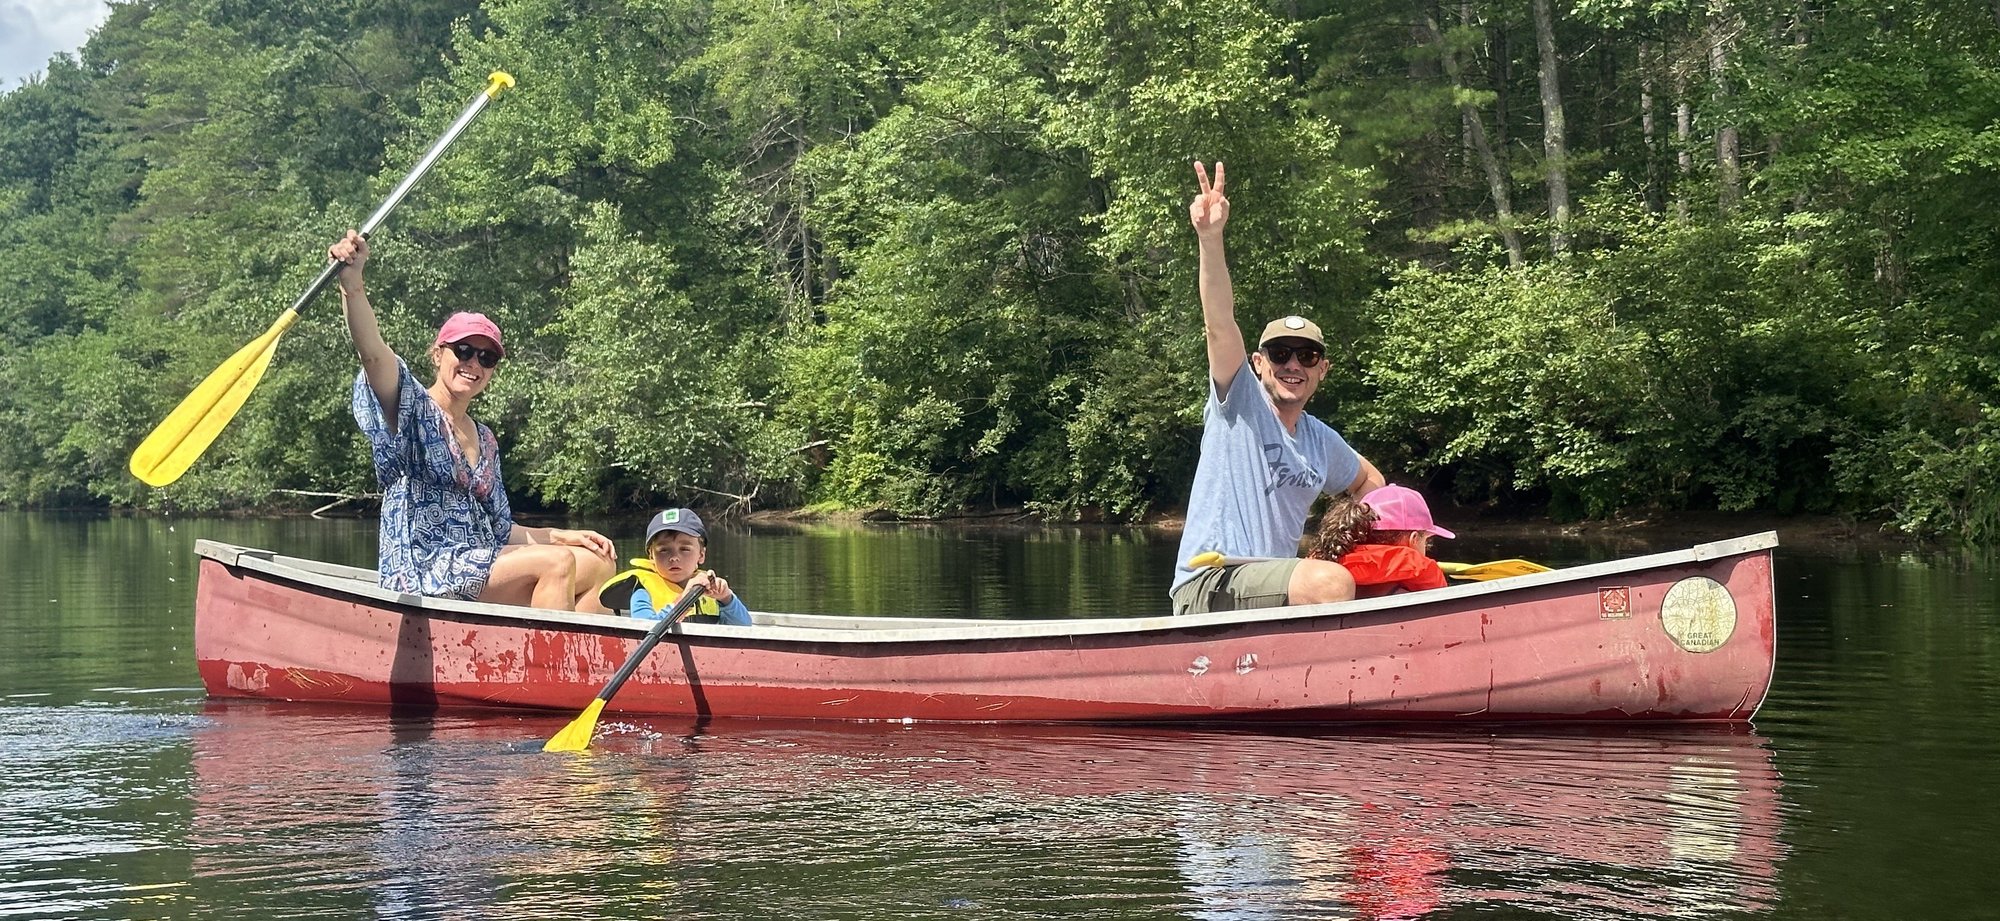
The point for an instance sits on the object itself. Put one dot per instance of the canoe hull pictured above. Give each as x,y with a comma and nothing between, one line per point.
1689,639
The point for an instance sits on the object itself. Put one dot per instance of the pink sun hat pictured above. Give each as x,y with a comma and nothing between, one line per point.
464,325
1400,508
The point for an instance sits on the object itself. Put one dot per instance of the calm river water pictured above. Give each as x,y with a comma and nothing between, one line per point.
1866,789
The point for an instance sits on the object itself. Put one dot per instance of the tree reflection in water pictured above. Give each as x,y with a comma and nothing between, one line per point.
351,811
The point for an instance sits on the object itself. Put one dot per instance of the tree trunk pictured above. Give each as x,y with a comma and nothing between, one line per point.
1475,126
1647,129
1721,37
1553,149
1605,100
1429,164
1683,131
1470,156
1503,76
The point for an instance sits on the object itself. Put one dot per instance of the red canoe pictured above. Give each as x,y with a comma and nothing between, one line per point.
1687,635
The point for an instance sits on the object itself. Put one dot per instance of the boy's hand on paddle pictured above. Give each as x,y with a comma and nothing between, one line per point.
718,587
1210,210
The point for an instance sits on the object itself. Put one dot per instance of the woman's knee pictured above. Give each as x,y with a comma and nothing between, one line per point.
588,568
540,561
561,566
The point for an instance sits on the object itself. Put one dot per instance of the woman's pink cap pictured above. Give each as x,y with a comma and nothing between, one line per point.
463,325
1400,508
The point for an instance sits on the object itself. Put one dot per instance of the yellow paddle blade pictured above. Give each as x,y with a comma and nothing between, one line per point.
575,737
177,442
1498,569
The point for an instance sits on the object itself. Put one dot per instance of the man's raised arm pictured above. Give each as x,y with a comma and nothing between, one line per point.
1209,212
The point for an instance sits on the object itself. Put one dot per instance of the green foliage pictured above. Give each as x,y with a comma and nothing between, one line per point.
1129,440
921,256
1670,371
651,397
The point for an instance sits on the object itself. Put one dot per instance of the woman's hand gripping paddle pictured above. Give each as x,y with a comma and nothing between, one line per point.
575,737
178,441
1473,572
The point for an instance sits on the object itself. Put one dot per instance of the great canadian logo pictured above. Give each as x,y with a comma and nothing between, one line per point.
1615,602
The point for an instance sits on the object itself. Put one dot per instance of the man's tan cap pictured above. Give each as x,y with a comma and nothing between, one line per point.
1292,327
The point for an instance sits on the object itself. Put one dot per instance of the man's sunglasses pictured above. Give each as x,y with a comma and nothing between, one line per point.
1306,354
487,357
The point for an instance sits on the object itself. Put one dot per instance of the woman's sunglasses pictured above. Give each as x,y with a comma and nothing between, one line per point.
1307,355
487,357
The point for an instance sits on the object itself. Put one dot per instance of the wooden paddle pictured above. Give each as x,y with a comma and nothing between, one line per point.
575,737
177,442
1475,572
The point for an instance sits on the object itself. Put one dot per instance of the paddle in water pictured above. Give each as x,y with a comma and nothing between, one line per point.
1473,572
178,441
575,737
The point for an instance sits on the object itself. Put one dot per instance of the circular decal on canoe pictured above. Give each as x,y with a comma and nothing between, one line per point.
1699,614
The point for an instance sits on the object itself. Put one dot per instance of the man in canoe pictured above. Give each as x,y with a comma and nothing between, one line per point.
1263,459
447,528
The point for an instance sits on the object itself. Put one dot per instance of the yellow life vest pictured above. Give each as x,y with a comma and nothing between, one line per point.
616,592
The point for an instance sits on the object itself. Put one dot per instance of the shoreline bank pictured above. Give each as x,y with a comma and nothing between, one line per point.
1675,527
1679,527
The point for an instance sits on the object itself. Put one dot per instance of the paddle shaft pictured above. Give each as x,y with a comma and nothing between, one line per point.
1471,571
179,440
494,84
653,637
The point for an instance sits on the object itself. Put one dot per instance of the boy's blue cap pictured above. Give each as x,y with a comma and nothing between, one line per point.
683,520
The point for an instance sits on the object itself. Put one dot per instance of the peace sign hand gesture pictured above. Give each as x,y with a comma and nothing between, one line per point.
1210,210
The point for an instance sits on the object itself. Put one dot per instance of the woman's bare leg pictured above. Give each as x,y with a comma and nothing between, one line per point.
591,571
557,577
540,575
591,604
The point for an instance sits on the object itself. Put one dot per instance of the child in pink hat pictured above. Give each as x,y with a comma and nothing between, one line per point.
1383,539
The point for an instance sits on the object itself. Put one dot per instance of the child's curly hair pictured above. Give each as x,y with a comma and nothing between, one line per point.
1348,521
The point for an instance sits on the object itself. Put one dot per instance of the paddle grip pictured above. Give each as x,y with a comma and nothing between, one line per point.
497,81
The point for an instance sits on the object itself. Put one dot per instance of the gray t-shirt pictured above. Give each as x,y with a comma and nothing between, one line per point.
1255,483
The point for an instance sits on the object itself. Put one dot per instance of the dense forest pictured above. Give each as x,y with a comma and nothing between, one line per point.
927,256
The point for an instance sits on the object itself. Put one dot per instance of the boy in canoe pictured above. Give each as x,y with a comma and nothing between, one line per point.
1263,459
676,547
1382,539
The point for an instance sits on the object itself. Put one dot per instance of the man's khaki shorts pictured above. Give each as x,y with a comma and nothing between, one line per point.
1263,584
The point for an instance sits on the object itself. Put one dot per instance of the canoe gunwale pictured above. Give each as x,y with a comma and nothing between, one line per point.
359,584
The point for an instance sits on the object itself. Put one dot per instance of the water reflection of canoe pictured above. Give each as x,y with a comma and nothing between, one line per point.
1687,635
1575,822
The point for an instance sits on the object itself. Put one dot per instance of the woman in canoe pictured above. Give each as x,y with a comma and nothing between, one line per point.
447,528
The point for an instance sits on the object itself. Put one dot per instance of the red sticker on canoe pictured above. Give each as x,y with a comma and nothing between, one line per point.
1615,602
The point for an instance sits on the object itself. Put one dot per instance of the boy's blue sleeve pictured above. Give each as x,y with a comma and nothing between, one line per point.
642,605
733,613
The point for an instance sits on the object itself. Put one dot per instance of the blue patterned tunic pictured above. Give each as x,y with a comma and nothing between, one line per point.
443,521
